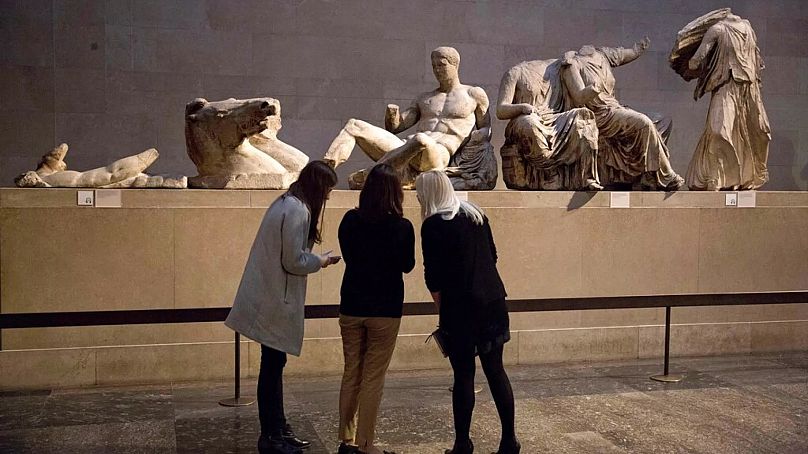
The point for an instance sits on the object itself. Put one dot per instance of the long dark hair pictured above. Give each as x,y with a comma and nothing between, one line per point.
382,194
312,187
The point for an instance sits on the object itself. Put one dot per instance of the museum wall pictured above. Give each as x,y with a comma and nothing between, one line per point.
167,249
112,77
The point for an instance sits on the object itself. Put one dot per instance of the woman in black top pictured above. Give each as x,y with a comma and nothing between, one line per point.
378,245
460,271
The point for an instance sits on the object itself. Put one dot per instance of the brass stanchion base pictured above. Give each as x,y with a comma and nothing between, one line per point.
236,402
670,378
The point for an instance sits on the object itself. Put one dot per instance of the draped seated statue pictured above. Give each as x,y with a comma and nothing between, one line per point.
234,145
631,146
548,144
452,133
124,173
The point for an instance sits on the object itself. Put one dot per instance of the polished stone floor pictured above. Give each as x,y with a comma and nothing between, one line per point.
728,404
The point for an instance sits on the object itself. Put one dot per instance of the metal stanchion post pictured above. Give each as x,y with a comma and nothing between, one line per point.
237,401
666,377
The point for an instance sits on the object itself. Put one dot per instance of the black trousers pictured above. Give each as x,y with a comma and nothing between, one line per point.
270,391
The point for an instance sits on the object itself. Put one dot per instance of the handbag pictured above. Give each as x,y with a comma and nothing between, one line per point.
441,339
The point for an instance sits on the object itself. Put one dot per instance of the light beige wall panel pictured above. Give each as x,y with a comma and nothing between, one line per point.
413,352
166,363
712,339
97,259
322,356
639,251
540,320
779,336
753,250
212,247
36,197
194,198
622,317
577,344
263,199
748,313
539,199
681,199
539,251
702,339
321,327
44,369
418,324
90,336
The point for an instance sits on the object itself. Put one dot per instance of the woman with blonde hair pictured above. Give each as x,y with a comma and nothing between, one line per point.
460,271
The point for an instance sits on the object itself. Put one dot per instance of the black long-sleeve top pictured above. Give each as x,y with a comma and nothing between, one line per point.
460,262
376,253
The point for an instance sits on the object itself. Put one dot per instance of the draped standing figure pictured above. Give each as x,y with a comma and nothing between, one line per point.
720,49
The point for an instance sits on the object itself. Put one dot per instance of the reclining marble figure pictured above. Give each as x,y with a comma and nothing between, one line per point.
124,173
548,144
631,146
452,133
234,145
720,50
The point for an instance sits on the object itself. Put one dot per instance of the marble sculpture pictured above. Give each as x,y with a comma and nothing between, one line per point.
631,146
124,173
452,133
234,145
548,144
720,50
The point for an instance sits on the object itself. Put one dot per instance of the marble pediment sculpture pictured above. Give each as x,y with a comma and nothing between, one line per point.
52,172
632,146
549,145
234,145
452,132
720,50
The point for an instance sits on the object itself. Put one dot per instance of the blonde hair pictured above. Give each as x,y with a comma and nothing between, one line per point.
437,196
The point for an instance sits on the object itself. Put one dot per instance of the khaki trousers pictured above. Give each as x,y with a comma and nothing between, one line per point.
367,344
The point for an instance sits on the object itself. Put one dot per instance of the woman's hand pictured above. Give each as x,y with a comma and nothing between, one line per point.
328,259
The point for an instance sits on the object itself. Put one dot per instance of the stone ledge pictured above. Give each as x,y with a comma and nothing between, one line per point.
232,198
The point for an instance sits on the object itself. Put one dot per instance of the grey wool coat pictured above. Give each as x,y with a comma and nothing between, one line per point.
268,307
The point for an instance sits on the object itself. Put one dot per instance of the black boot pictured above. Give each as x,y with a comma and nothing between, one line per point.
276,445
292,439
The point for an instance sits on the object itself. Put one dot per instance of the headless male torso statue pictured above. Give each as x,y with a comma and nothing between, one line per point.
444,118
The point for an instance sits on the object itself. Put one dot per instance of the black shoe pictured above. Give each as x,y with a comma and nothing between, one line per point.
467,449
345,448
513,449
292,439
276,445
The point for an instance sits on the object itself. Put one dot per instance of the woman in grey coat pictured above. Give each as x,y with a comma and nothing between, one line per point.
268,307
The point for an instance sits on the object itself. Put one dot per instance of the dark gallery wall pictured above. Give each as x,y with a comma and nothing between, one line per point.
111,78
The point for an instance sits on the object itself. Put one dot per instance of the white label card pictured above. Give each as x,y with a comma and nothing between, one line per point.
731,199
620,200
85,198
108,198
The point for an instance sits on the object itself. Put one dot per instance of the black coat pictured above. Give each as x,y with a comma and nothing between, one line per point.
460,262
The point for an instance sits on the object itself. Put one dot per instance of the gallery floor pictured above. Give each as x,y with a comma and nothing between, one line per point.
726,404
